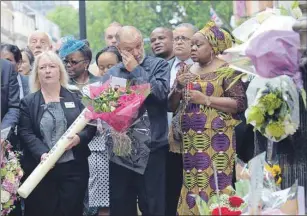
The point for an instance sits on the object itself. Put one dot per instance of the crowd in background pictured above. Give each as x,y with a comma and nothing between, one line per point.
191,128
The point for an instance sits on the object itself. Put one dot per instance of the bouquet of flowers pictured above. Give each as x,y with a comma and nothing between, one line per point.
118,106
273,107
221,205
11,174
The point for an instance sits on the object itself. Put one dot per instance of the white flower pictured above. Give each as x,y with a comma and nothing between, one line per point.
290,128
5,196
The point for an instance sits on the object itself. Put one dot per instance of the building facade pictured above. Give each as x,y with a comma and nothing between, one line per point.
18,20
45,6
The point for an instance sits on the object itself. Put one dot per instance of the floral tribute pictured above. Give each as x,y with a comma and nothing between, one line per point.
229,205
225,205
275,171
270,114
11,174
118,107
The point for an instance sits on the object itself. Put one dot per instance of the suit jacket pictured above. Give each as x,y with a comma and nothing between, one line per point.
25,84
171,62
9,96
31,112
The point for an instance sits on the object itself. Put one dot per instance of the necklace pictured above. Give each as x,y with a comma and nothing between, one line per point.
88,79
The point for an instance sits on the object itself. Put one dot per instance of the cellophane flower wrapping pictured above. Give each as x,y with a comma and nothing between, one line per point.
273,107
228,203
11,174
274,201
118,107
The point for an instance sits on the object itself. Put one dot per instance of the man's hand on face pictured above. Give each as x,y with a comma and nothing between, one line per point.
129,61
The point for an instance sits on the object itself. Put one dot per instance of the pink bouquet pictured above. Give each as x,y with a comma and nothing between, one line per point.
118,107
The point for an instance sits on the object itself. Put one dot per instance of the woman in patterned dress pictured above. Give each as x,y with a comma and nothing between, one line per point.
207,97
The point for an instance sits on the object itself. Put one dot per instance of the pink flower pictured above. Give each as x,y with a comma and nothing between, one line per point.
8,186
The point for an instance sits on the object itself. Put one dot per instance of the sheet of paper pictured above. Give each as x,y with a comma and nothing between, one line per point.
118,82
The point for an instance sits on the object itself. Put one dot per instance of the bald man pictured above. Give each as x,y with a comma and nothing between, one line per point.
110,40
141,175
39,41
161,41
110,32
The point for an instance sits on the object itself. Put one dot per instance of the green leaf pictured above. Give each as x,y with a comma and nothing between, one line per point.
201,204
303,94
242,188
284,11
294,5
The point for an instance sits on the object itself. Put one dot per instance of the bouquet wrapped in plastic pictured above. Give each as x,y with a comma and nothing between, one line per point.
11,174
265,182
118,104
273,107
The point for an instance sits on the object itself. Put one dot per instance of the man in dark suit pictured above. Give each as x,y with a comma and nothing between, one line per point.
9,97
9,108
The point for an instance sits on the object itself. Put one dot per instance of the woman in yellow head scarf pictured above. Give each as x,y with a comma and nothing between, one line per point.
207,97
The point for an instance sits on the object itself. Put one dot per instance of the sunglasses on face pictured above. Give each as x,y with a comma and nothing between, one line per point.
72,62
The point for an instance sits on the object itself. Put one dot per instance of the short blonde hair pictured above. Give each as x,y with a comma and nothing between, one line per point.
33,79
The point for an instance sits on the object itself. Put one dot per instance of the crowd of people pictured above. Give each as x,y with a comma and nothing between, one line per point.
194,117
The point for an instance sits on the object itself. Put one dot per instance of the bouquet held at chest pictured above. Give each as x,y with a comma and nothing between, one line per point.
117,103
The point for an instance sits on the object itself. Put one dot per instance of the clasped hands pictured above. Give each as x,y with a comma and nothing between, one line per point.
194,96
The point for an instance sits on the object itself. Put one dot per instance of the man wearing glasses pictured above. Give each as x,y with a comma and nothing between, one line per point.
77,57
182,35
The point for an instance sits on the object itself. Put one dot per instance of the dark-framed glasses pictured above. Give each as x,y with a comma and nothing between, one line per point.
182,38
72,62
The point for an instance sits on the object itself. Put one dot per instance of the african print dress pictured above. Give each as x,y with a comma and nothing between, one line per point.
208,135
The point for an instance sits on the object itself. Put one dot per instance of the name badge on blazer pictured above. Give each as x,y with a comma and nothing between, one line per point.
69,105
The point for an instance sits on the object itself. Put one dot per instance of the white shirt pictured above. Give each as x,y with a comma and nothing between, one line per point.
174,72
21,93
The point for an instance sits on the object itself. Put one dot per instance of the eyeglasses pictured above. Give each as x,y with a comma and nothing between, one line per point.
72,62
182,38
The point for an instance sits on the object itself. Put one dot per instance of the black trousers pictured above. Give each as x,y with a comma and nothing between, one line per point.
174,180
127,186
244,140
61,192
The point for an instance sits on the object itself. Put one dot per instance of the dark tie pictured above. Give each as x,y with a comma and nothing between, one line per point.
181,64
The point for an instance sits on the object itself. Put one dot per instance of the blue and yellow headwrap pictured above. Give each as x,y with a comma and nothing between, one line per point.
218,38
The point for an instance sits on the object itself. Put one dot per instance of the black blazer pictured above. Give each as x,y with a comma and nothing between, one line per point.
9,96
31,112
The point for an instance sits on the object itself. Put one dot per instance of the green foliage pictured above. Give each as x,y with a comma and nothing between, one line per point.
67,19
295,4
145,15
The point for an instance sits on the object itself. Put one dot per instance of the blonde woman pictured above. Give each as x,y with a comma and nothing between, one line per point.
44,117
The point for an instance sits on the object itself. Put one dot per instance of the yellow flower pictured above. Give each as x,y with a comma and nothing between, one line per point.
275,170
255,116
275,129
270,102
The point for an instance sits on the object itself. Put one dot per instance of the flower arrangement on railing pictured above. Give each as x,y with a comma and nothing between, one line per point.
11,174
